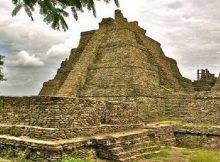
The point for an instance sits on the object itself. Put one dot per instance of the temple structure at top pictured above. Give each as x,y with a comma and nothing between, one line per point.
205,80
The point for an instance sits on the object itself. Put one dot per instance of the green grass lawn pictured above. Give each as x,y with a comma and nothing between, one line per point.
205,156
184,155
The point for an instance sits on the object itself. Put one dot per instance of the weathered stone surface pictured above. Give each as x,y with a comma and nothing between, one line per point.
118,59
63,112
115,83
216,88
187,135
205,80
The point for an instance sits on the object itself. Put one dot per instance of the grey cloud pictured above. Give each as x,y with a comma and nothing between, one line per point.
24,59
194,32
175,5
25,81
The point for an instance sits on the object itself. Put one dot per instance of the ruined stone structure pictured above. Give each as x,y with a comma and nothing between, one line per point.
117,97
217,84
205,80
117,60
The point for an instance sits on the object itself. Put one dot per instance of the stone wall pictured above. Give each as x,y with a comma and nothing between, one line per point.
50,112
197,108
197,136
54,134
61,112
44,151
187,135
216,88
194,108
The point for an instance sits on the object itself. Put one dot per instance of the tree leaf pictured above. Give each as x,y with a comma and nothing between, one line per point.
16,9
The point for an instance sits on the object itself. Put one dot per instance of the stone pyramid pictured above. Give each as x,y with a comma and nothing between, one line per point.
116,61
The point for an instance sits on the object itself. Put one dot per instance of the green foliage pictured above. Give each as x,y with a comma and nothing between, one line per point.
55,11
205,156
83,87
12,153
71,159
1,76
167,90
1,64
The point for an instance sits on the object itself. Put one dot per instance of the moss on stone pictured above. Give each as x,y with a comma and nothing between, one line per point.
12,131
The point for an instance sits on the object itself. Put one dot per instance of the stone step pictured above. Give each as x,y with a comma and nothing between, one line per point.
136,157
175,105
116,144
137,145
132,134
136,152
128,146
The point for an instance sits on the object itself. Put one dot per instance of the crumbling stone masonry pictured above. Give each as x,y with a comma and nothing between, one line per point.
117,97
205,80
114,62
216,88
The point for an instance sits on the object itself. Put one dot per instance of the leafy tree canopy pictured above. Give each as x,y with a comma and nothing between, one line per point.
1,64
55,11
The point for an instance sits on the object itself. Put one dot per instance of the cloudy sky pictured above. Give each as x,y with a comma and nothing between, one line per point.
189,31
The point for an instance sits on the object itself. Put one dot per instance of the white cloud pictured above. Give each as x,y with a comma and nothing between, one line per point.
24,34
59,52
24,59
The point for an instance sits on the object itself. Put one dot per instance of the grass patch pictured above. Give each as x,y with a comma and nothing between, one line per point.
83,87
162,154
167,90
71,159
205,156
186,152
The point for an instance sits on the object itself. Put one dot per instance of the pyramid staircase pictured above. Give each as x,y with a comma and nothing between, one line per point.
179,105
129,146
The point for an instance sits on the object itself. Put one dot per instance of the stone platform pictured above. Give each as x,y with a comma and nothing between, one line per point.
121,146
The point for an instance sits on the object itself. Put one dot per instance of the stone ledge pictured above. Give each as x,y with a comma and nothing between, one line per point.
54,134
